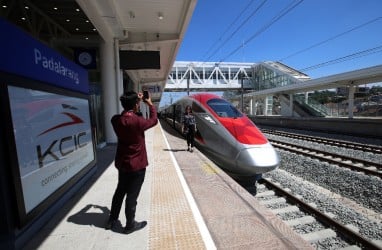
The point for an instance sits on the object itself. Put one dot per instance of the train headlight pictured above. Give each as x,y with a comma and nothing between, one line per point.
259,159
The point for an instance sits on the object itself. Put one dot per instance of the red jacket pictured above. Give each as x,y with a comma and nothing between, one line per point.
130,129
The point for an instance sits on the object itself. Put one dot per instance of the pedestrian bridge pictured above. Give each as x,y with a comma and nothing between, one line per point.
229,76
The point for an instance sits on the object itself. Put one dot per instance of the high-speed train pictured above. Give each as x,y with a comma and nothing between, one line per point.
227,136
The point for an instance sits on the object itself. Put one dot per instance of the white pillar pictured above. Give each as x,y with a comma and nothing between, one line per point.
265,107
109,87
251,106
118,74
351,100
144,108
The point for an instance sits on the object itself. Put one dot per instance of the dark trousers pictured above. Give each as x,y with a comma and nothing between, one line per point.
129,184
190,136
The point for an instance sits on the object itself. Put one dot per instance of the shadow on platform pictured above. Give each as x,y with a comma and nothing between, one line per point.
104,156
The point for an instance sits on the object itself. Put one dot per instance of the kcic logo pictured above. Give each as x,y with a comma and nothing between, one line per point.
64,145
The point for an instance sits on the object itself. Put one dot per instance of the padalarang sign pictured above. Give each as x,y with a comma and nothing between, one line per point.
24,55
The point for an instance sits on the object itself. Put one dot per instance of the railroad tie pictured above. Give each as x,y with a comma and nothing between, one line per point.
319,235
300,221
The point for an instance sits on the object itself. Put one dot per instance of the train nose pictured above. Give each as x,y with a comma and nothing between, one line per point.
259,159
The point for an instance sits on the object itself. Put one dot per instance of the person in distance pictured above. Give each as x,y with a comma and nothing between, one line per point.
189,128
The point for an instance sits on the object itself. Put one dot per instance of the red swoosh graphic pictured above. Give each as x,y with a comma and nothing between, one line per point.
75,120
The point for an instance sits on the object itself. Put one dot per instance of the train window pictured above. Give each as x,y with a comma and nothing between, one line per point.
223,108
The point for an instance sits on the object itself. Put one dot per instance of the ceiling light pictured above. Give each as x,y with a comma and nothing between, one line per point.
160,15
55,8
78,10
4,6
67,20
77,29
23,18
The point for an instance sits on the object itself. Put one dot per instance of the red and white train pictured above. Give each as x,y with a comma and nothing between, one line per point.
225,135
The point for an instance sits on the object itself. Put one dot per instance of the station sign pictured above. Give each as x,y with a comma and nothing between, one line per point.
23,55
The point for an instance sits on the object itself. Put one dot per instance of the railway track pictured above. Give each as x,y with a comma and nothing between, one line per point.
333,227
331,142
368,167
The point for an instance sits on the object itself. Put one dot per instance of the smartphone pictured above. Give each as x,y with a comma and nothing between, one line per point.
145,95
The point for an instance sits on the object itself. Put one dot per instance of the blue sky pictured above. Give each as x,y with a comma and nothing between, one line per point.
299,33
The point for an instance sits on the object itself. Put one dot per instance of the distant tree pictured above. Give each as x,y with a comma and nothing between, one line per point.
323,96
338,99
375,90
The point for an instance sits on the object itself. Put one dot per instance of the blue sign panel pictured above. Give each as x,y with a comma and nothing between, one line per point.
23,55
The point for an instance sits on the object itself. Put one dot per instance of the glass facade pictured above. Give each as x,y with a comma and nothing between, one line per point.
267,78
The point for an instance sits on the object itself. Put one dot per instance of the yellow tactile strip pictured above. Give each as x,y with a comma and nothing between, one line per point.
172,225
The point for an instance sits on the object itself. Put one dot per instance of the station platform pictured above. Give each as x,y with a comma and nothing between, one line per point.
188,202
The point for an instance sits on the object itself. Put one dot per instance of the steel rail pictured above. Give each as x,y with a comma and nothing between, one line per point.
322,155
328,221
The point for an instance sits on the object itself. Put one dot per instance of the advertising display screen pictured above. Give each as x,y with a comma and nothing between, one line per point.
53,139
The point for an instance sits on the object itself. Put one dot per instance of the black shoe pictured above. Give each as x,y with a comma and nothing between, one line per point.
110,224
135,227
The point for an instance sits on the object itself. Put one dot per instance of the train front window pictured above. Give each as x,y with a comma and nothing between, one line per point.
223,108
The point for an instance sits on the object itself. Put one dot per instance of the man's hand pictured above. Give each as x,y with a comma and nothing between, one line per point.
148,100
